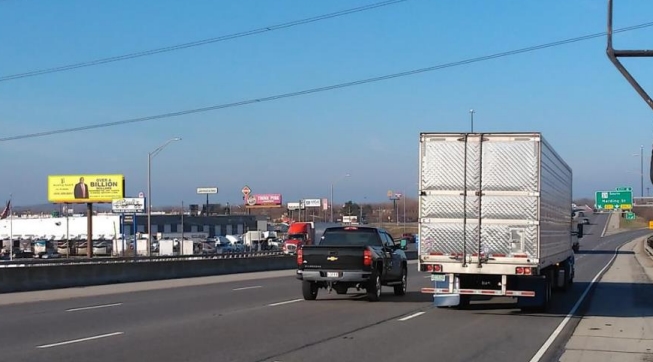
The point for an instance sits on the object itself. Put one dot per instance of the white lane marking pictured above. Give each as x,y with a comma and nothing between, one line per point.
605,228
571,313
411,316
286,302
94,307
245,288
81,340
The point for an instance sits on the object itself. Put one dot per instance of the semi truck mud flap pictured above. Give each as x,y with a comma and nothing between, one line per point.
442,281
446,300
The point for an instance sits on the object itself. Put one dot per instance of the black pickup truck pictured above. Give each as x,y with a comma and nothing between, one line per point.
353,257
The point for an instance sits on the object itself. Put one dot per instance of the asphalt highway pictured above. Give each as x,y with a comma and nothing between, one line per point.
267,320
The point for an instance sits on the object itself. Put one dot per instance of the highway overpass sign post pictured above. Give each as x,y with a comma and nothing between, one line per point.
614,200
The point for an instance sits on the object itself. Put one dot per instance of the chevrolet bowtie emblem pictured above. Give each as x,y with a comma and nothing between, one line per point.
332,258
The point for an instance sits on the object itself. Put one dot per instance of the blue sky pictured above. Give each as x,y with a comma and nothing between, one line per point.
298,146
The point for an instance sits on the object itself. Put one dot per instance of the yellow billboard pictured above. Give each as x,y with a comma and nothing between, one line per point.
82,189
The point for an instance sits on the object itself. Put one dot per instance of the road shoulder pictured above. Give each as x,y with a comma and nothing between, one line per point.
618,324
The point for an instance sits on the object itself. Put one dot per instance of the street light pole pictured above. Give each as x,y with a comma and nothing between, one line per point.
150,156
641,169
331,218
333,183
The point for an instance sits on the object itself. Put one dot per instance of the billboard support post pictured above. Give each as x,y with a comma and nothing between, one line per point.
68,230
89,230
246,190
207,191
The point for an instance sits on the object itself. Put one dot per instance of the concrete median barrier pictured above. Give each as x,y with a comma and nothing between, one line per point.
80,275
30,278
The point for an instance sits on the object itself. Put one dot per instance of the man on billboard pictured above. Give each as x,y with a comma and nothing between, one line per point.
81,189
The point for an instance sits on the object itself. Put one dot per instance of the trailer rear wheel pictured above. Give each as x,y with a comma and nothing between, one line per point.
547,297
567,276
546,291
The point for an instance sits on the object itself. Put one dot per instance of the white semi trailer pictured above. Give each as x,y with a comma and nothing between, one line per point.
495,218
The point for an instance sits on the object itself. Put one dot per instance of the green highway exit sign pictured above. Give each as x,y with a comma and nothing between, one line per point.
610,200
624,189
630,216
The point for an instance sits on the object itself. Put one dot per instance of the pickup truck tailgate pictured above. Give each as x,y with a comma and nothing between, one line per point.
333,257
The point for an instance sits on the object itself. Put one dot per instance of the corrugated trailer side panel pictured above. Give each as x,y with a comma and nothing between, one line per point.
555,205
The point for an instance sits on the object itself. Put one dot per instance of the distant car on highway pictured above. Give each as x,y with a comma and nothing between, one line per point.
579,214
409,237
49,254
353,257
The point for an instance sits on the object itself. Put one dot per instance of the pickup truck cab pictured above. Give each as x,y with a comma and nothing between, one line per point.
353,257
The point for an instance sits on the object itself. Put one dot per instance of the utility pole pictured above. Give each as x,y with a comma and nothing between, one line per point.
332,184
404,196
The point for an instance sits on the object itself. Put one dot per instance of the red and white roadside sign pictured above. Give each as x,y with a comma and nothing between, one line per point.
246,190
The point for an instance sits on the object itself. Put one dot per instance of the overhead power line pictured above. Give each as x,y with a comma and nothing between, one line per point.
198,42
321,89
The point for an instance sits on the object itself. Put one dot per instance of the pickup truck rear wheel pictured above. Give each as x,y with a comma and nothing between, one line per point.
374,287
401,288
309,290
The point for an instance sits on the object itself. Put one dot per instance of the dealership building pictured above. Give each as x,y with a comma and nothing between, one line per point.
211,225
109,225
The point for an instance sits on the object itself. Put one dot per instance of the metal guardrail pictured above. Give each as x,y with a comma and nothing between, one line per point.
131,259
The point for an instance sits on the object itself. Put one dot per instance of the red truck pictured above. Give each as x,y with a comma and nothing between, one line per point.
304,233
299,234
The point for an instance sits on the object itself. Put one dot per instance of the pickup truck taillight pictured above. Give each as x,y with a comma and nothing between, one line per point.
300,257
367,257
